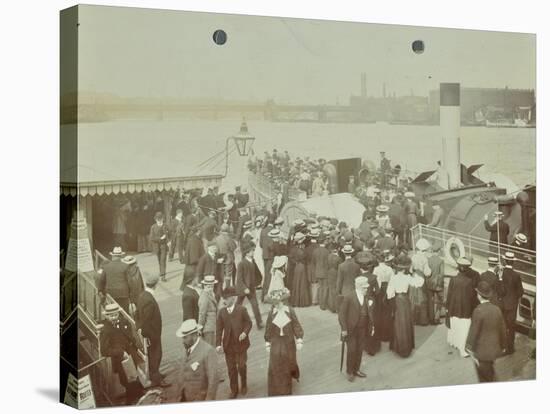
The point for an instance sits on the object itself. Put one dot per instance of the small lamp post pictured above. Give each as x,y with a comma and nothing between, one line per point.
243,141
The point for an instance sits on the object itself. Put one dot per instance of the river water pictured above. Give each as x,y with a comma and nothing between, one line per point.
506,151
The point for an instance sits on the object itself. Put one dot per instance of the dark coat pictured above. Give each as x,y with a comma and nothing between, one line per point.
512,289
190,303
487,335
496,285
503,230
194,250
230,326
157,232
246,276
461,297
350,312
114,280
319,262
148,317
209,266
347,272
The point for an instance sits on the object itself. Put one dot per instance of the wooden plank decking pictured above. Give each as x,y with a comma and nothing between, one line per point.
432,363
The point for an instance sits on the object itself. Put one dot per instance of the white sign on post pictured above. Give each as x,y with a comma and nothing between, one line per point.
79,393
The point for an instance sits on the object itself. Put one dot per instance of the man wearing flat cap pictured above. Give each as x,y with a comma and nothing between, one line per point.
487,334
232,329
149,322
198,376
353,317
513,291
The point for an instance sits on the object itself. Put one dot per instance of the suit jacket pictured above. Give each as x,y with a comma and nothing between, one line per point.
148,316
264,238
190,303
350,312
208,266
319,262
157,232
487,335
347,272
503,231
208,309
114,280
512,287
201,383
246,276
194,250
461,296
267,248
230,326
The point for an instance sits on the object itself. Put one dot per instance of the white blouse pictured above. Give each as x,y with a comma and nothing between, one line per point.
400,283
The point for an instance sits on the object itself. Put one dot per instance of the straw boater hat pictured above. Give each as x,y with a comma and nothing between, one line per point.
521,238
129,260
492,261
463,261
484,289
209,280
111,309
274,233
279,261
347,249
382,208
422,245
247,224
117,251
299,237
279,220
376,190
409,194
509,256
315,233
188,327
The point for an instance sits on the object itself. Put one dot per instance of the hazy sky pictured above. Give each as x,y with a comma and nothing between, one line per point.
145,52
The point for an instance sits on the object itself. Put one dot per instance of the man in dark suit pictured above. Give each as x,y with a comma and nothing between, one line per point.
149,322
347,272
487,335
177,236
512,293
113,280
232,328
198,377
354,322
190,297
498,229
193,253
493,276
159,241
246,282
319,262
210,264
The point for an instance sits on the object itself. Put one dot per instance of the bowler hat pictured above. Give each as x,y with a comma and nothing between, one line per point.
150,278
229,292
129,260
484,289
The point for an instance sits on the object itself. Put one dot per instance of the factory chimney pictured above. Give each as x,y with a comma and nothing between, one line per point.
449,122
364,85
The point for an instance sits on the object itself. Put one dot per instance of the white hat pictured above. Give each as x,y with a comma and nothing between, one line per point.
279,261
509,256
299,237
382,208
347,249
409,194
521,238
111,308
423,245
117,251
209,280
274,233
492,260
463,261
188,327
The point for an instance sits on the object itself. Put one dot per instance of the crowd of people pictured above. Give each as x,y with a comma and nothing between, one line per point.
365,275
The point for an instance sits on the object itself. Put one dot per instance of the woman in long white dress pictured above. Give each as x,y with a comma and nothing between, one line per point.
278,273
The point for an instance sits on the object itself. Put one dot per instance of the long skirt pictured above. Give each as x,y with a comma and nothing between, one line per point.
385,328
277,283
403,329
283,366
299,293
419,305
258,258
458,333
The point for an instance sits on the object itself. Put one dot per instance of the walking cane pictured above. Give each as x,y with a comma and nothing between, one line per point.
498,215
342,354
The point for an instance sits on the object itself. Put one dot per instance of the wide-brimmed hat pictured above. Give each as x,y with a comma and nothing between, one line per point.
521,238
229,291
188,327
299,237
363,259
274,233
403,261
117,251
347,249
129,260
209,280
463,261
484,289
382,208
509,256
247,224
422,245
247,247
278,295
279,261
111,309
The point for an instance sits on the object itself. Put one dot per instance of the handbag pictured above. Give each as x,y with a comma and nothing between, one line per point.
129,368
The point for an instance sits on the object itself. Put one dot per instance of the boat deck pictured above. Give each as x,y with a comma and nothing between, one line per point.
432,363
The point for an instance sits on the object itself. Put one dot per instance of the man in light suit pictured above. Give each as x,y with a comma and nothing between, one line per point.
487,335
198,376
354,322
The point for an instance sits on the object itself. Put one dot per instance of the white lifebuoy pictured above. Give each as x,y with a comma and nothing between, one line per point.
449,244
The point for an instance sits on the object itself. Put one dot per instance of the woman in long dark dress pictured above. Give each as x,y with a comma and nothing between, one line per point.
372,340
334,261
384,273
403,327
299,291
283,336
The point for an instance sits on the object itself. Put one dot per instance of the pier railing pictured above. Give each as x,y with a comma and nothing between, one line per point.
264,190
